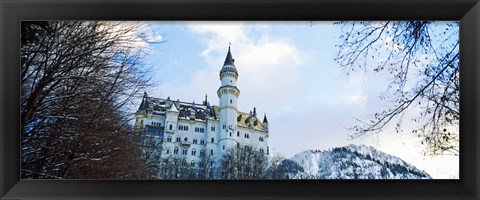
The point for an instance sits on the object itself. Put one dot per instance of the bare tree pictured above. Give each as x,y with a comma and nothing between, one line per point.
422,59
244,163
77,78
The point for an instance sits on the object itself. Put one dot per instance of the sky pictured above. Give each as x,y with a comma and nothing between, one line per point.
286,71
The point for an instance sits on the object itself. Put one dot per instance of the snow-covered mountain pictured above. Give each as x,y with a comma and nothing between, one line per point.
349,162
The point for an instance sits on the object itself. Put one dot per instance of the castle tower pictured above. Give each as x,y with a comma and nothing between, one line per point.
228,94
265,122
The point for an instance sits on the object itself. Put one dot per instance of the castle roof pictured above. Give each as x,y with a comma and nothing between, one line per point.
229,64
192,111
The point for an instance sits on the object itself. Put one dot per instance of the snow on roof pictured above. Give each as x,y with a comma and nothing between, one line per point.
200,112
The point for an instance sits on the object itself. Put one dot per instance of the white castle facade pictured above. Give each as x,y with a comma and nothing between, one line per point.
194,131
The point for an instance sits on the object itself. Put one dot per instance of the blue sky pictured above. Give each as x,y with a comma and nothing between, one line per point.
286,70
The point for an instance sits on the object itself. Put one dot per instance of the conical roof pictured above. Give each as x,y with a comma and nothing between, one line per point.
229,64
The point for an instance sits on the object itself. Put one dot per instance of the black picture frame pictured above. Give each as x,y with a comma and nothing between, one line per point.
14,11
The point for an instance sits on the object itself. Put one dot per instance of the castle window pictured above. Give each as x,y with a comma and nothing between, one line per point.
260,139
199,130
170,127
178,139
211,152
169,139
175,151
202,153
261,150
192,164
230,134
185,139
184,152
238,133
168,151
194,152
223,147
212,128
194,141
238,145
202,141
212,140
224,126
230,101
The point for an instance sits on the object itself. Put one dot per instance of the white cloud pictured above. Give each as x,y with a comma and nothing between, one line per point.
356,99
268,66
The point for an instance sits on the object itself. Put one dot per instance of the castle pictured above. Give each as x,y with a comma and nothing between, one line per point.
194,131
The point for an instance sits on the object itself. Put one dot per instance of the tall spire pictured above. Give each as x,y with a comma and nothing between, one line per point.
265,118
144,103
229,64
229,59
206,101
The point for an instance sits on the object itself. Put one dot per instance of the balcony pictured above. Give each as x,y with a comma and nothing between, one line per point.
168,131
185,143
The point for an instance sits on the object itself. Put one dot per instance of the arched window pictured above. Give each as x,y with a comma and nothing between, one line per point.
175,151
212,140
170,127
202,153
194,152
211,152
230,134
192,163
238,133
169,139
185,139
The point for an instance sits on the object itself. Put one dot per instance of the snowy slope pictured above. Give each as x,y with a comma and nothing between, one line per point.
349,162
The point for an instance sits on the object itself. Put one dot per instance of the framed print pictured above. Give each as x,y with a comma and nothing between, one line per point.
209,99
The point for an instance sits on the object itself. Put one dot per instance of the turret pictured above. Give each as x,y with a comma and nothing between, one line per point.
171,118
144,104
228,94
141,112
265,122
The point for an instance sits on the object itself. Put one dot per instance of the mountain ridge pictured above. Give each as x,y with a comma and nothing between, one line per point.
348,162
